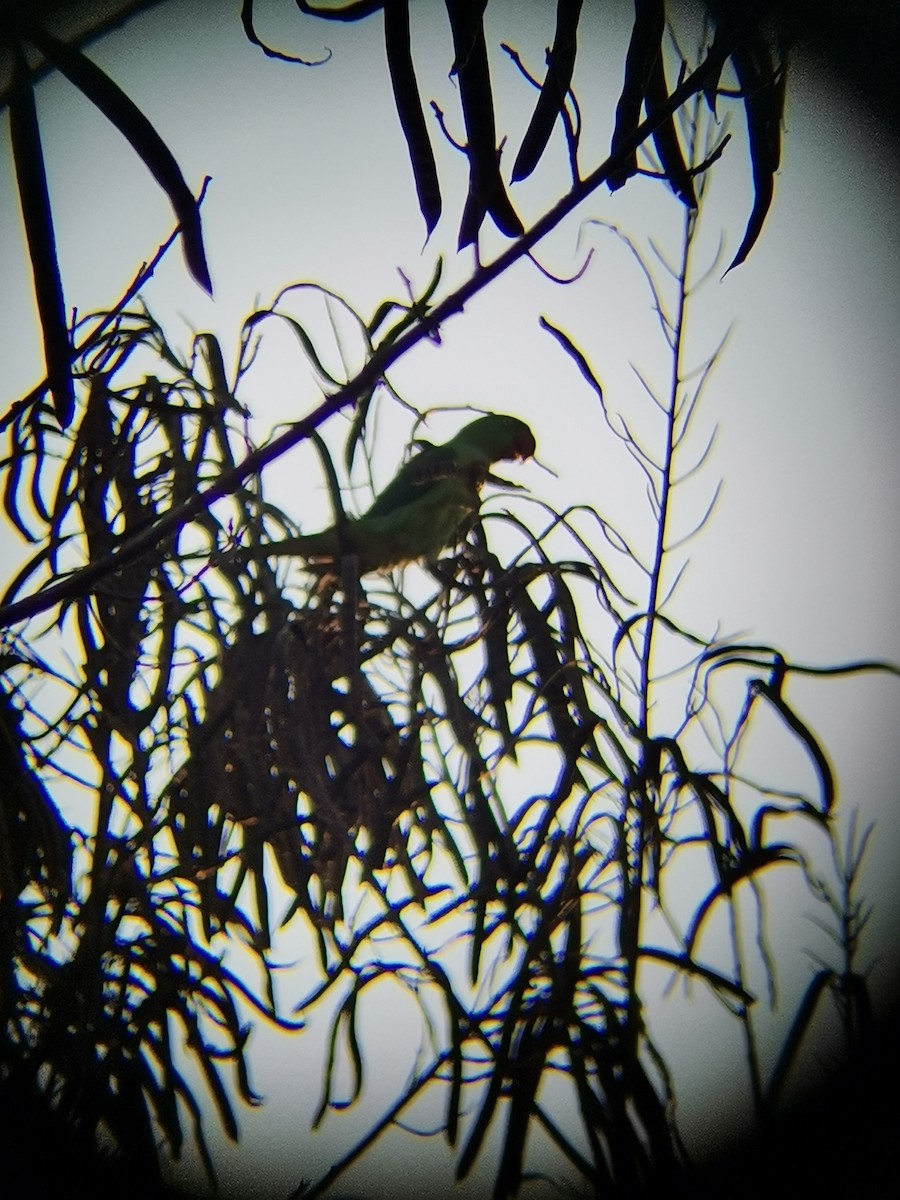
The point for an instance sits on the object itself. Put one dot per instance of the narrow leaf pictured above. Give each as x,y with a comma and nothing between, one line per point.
643,50
97,86
39,233
409,110
560,65
487,193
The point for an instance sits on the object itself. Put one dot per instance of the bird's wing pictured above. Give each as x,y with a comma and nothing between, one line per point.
433,519
414,479
427,504
424,516
467,456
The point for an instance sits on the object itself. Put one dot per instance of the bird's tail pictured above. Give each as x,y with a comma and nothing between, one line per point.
314,547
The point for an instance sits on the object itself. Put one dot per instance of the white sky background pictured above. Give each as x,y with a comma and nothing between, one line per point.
311,181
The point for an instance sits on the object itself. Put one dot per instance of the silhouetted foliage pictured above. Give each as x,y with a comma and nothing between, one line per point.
204,754
21,30
753,43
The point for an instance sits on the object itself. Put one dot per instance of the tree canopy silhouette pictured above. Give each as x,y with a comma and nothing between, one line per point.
467,784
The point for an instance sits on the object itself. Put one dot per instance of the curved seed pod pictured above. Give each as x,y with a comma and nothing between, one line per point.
122,112
560,65
643,50
35,199
487,193
665,137
409,110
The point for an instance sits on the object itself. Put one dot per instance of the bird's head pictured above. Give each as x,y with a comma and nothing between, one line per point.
496,437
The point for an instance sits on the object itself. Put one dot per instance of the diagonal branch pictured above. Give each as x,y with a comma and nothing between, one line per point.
373,370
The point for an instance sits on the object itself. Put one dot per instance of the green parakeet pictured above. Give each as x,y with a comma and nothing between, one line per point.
427,504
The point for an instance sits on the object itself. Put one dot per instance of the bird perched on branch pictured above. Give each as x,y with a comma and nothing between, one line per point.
426,506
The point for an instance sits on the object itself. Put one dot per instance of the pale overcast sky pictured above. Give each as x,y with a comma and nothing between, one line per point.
311,182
